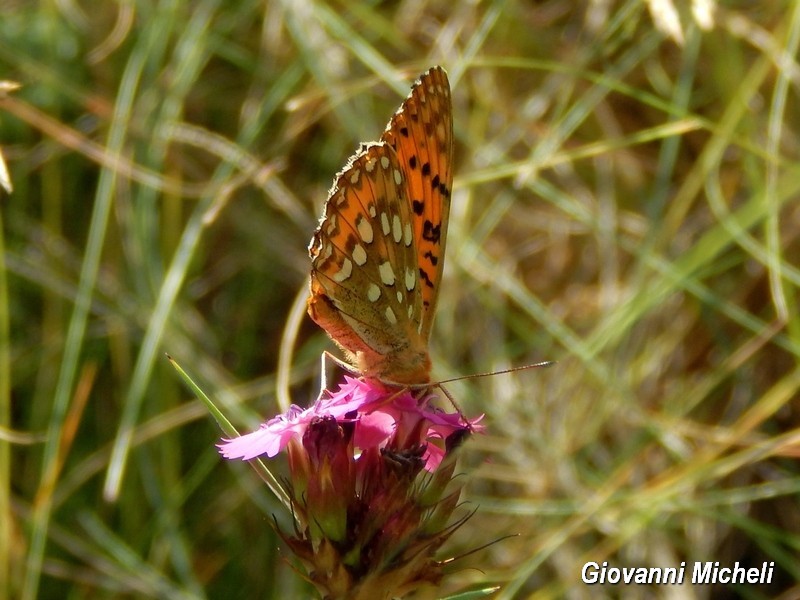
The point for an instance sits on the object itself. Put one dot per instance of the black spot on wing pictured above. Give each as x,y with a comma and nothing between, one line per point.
430,232
431,257
424,277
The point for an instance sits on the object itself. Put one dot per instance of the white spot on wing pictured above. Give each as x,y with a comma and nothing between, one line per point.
364,230
385,224
360,255
390,316
344,272
386,273
397,229
331,224
411,279
325,253
373,292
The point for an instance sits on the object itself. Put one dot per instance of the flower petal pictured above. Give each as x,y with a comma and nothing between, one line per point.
374,429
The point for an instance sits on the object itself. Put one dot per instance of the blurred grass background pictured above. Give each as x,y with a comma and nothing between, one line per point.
625,203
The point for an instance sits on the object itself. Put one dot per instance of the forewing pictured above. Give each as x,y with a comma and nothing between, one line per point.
421,133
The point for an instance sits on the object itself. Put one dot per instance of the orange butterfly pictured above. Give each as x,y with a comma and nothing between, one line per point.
378,253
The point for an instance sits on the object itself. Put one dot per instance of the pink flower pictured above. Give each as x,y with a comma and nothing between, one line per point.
382,419
367,516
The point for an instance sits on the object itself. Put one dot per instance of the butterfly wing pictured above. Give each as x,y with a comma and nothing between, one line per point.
365,288
421,133
378,253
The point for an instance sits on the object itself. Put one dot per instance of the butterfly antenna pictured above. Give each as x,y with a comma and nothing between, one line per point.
546,363
453,402
440,384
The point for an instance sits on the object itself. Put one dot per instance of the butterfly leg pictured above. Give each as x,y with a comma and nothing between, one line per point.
326,357
453,402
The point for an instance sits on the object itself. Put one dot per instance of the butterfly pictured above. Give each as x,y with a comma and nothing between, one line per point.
378,254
